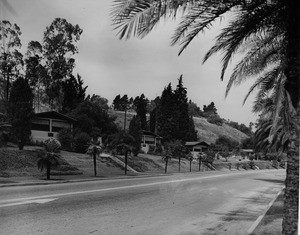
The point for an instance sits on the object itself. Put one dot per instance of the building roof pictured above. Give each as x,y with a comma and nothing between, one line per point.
194,143
54,115
151,134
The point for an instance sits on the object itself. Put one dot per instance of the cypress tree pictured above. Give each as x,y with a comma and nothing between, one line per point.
20,110
136,132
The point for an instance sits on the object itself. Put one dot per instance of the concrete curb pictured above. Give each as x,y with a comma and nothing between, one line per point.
259,219
77,180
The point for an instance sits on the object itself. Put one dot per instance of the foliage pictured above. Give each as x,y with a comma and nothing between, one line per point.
50,156
93,119
210,109
136,132
58,47
73,93
215,119
226,143
140,103
241,127
248,143
94,150
20,110
81,142
65,137
172,120
11,60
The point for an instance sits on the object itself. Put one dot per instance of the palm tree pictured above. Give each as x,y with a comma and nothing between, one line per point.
50,156
278,19
94,150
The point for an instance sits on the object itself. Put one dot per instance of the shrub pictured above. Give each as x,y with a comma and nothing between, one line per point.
251,165
65,137
215,119
81,142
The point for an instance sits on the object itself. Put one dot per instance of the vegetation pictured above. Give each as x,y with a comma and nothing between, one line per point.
135,131
94,150
50,156
20,111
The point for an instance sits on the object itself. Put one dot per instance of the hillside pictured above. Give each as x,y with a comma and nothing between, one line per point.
207,132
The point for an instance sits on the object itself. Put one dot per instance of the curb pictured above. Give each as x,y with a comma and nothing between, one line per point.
259,219
78,180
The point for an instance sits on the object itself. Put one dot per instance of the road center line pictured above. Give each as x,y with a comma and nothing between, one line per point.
117,188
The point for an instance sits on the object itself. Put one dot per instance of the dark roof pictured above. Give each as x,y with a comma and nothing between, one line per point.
54,115
194,143
150,133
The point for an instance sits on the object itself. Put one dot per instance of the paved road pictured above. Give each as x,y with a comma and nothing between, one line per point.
205,203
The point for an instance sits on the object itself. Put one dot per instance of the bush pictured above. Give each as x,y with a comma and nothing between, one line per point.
65,137
215,119
251,165
81,142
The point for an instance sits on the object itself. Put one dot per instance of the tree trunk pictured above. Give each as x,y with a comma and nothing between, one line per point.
292,72
190,166
95,164
48,171
200,159
291,195
166,165
179,164
126,153
125,120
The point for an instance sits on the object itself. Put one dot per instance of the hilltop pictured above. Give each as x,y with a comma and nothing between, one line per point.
207,132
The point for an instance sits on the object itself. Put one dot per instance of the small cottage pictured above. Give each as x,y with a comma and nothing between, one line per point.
149,139
48,124
196,147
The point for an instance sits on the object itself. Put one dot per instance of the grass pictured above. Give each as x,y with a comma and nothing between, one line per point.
272,222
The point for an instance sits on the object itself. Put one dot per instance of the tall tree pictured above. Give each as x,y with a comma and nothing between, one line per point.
73,93
10,57
182,110
166,120
59,46
35,72
135,131
252,18
140,103
20,110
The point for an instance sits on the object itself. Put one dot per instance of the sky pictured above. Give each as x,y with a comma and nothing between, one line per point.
110,66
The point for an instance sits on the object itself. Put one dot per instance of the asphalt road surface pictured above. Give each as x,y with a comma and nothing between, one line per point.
199,203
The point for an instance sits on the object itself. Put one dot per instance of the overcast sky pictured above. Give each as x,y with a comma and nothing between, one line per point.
110,66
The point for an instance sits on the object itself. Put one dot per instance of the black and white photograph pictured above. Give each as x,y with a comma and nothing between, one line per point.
149,117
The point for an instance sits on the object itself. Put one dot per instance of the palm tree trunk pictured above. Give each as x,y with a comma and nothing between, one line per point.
166,165
291,198
200,159
291,195
126,153
48,171
95,165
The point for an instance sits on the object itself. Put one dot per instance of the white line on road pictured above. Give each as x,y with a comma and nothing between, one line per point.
20,200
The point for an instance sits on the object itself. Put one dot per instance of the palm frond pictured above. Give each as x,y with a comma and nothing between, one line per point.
244,26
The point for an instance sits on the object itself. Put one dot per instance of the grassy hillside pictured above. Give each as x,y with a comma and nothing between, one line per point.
206,131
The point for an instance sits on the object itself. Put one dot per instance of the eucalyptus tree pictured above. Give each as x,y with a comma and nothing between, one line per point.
249,19
59,45
11,59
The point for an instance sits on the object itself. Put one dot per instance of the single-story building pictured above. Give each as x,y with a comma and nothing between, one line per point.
47,124
149,139
197,146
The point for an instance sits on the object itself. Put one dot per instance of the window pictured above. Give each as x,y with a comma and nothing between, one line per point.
40,124
58,125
